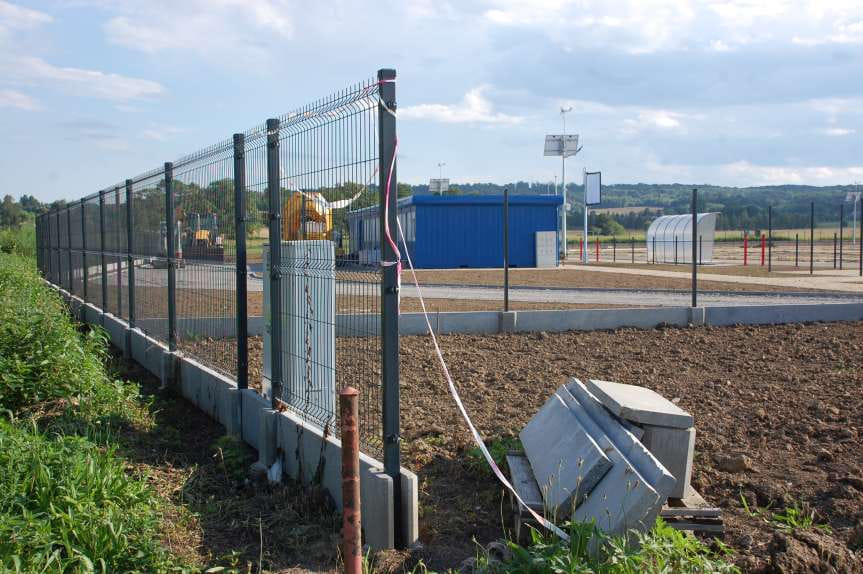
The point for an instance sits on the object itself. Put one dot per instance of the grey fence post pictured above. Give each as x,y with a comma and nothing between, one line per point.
841,230
769,238
85,273
389,289
274,205
130,250
506,249
240,243
812,238
796,250
69,271
172,262
103,258
694,248
117,253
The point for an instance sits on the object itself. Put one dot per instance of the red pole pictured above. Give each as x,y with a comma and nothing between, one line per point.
352,548
763,247
581,249
745,249
597,249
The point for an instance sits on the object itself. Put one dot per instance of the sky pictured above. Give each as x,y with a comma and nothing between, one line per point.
729,92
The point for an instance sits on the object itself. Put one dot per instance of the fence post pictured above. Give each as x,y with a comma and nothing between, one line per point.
675,250
701,250
614,249
352,548
130,250
274,205
769,238
389,290
632,247
172,262
85,273
240,246
69,272
506,249
117,257
102,257
812,238
745,249
860,258
597,248
654,249
835,247
694,247
841,231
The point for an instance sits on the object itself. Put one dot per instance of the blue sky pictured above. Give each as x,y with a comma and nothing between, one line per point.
736,92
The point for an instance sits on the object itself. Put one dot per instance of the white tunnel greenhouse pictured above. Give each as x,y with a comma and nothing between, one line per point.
669,238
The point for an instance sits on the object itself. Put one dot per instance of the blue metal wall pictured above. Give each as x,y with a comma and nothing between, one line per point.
467,231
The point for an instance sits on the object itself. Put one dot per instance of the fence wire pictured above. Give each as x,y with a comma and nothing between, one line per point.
112,249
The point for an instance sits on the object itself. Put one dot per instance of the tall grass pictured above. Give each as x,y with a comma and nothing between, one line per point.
67,503
19,240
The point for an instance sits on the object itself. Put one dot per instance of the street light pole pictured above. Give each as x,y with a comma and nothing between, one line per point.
440,169
563,112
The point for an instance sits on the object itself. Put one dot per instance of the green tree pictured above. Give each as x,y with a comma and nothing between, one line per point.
11,214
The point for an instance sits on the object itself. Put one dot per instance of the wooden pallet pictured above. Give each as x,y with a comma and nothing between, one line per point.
691,513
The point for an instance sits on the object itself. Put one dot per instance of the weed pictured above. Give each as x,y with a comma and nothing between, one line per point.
498,448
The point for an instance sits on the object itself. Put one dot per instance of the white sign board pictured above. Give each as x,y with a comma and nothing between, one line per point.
546,249
438,186
593,187
852,196
561,145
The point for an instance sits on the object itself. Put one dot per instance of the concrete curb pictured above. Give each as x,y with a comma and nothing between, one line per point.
304,449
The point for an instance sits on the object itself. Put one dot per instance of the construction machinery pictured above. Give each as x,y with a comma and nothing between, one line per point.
200,238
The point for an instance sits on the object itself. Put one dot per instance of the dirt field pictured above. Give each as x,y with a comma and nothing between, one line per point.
786,401
575,277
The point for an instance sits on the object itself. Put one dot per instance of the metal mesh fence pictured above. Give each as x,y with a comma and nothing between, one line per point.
182,253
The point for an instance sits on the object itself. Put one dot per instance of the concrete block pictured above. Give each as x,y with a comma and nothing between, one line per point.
253,406
410,507
92,315
190,381
116,330
639,404
230,414
508,321
697,316
267,437
674,448
632,493
566,460
376,496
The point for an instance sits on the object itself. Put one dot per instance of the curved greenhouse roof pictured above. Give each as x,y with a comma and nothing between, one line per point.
669,238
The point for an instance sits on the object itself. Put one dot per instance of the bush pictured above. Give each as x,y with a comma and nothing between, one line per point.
19,240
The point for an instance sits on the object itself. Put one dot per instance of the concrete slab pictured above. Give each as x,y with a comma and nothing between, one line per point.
632,493
639,404
566,460
253,405
674,448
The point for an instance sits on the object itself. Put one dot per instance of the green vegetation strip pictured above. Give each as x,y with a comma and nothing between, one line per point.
67,501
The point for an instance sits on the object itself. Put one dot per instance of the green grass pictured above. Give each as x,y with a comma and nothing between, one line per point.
796,516
19,240
661,550
67,501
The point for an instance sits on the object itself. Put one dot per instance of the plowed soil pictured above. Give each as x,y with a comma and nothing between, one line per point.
787,401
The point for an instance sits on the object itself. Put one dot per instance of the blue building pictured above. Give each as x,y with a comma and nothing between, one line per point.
452,231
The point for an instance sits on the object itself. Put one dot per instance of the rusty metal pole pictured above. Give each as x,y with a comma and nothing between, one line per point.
352,547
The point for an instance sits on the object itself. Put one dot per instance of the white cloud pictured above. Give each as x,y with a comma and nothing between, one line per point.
838,132
17,100
161,133
14,17
473,108
214,29
809,175
78,81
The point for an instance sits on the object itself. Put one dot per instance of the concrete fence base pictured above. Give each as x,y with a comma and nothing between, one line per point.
306,452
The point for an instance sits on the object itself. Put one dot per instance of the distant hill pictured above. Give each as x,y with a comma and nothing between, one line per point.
739,207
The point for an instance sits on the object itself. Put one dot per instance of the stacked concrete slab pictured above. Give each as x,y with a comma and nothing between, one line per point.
589,463
669,431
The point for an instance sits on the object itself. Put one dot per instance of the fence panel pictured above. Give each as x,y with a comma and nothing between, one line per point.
150,254
327,330
206,294
330,311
